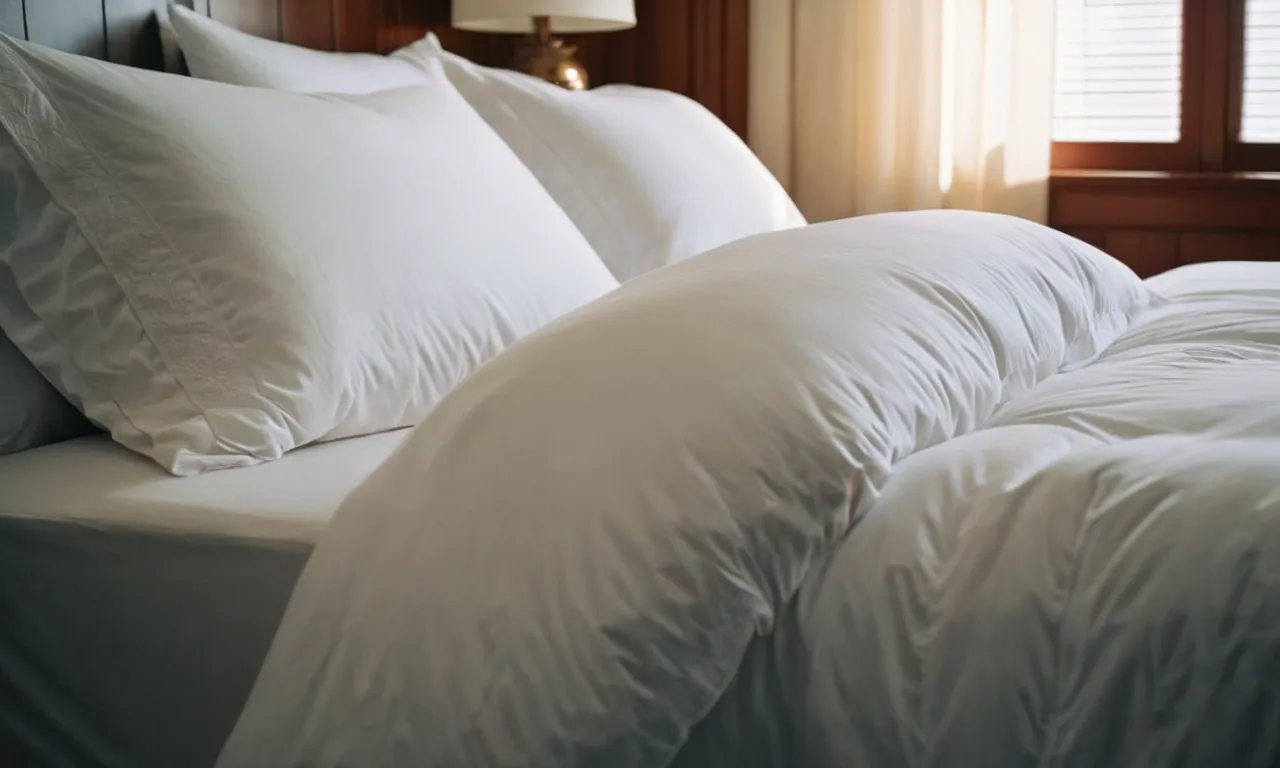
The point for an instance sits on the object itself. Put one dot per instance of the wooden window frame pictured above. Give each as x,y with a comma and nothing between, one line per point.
1183,155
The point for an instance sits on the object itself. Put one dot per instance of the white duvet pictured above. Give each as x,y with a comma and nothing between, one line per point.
917,489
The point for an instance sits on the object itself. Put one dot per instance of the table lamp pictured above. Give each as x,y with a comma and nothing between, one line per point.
541,54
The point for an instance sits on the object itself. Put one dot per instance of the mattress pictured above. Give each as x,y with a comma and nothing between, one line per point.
136,607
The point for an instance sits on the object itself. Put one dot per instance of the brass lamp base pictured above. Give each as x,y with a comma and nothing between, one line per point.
548,58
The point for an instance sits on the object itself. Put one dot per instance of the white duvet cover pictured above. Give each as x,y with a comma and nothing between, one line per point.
917,489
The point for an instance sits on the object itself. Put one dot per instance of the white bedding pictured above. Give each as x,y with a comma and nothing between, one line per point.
1092,579
138,606
1069,551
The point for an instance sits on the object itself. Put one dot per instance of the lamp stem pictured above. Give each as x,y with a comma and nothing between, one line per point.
542,28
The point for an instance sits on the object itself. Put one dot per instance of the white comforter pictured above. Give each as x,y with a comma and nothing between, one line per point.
631,539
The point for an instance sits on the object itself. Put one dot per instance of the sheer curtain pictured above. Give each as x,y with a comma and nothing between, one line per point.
863,106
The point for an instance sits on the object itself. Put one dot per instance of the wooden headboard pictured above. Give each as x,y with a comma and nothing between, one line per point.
694,47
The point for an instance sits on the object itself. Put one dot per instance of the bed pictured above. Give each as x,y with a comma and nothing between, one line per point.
925,488
138,606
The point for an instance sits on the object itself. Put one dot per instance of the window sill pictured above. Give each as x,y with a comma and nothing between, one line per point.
1077,179
1164,200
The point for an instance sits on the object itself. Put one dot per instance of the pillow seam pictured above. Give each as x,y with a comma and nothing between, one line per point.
104,182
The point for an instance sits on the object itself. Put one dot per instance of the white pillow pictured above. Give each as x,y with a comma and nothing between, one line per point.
671,461
650,177
221,274
214,51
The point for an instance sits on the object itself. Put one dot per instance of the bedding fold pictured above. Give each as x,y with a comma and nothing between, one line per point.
1091,579
566,562
1114,606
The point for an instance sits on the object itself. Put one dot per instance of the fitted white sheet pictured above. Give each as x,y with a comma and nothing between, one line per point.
95,481
136,607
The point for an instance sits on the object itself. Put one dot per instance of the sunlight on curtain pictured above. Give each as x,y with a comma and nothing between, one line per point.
947,143
876,105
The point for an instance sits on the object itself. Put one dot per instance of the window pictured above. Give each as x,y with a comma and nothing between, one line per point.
1119,71
1260,113
1167,85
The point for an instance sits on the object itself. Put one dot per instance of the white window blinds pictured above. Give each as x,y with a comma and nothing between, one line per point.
1260,109
1119,70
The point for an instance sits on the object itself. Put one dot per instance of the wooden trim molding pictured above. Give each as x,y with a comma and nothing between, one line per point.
1181,201
1125,156
1216,97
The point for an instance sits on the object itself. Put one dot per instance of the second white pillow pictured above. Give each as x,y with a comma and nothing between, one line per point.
650,177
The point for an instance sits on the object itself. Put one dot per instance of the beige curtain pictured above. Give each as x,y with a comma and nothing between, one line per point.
863,106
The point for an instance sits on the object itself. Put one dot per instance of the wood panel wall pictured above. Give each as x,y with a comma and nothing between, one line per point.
1157,221
694,47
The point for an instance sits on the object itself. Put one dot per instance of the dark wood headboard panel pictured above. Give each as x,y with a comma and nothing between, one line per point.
694,47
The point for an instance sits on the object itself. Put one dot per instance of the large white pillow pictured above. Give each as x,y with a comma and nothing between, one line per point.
649,176
221,274
563,565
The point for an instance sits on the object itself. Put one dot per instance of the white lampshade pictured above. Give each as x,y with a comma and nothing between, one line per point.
567,16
